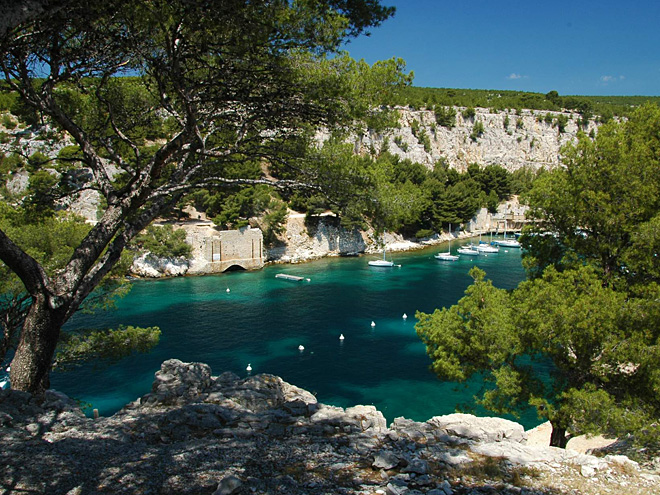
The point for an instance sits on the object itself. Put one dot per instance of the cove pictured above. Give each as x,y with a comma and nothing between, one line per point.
262,320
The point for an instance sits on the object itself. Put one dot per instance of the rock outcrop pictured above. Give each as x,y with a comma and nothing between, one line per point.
200,434
508,139
149,266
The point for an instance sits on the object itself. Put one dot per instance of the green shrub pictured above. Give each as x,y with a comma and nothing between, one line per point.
560,123
69,157
8,121
424,139
164,241
423,233
477,130
37,161
445,116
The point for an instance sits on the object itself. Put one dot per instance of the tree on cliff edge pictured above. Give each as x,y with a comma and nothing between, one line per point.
580,340
233,81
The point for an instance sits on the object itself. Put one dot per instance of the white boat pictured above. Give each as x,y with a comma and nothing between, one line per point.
468,251
485,247
447,256
512,243
382,263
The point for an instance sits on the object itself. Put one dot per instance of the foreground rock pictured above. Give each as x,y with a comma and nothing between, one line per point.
199,434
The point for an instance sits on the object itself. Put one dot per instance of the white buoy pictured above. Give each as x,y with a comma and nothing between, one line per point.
373,323
301,347
249,368
341,336
308,279
228,291
405,316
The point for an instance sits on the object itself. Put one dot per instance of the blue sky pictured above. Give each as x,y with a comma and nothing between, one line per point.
574,47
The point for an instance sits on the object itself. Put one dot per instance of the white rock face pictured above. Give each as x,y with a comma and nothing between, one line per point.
524,142
479,429
19,182
325,239
150,266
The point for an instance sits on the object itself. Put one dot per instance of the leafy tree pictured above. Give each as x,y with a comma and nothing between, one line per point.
590,308
562,343
445,116
227,98
560,123
607,193
164,241
477,130
49,239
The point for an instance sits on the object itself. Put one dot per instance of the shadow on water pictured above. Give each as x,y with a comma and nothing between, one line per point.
262,320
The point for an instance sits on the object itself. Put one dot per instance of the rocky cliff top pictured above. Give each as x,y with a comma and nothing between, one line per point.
199,434
512,140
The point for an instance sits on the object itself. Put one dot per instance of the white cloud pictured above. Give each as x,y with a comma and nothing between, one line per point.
513,75
609,79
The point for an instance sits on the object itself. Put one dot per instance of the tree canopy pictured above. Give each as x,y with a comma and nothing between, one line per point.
231,82
579,340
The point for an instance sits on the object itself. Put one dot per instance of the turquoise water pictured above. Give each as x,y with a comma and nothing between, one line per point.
263,320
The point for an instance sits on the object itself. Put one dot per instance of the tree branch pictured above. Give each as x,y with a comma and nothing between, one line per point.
25,266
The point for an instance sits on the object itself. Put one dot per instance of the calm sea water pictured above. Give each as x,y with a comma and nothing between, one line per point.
262,320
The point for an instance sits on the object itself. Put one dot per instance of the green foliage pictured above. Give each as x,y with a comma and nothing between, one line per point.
40,201
164,241
445,116
8,121
469,113
10,164
424,139
51,240
580,340
107,346
606,106
403,146
595,212
37,161
477,130
560,123
588,334
523,178
69,157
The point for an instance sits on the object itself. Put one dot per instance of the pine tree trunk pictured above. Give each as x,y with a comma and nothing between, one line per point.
30,368
558,436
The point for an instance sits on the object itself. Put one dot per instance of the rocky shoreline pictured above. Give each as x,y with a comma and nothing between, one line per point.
199,434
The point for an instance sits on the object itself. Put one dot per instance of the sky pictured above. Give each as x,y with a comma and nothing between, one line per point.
579,47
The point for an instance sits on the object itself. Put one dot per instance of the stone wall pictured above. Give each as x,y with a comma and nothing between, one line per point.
215,251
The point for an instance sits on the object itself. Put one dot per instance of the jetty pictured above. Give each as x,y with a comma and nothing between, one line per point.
293,278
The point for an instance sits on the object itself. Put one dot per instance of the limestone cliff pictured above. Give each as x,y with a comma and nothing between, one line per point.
510,140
